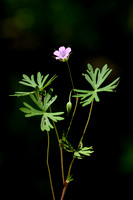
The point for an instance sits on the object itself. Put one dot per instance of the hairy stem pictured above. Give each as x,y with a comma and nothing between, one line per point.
50,179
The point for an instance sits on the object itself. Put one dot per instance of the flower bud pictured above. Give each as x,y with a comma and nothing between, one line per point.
68,107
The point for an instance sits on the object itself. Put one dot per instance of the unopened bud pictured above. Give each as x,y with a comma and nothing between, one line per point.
69,107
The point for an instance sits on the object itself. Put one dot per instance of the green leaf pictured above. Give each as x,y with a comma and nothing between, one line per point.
43,105
41,83
27,81
69,178
30,111
39,79
87,151
95,78
110,87
45,123
49,82
83,151
55,116
47,102
37,99
77,155
65,144
19,94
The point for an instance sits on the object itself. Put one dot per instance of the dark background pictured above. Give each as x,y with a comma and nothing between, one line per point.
98,32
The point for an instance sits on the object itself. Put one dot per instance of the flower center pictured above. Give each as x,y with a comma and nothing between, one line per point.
63,53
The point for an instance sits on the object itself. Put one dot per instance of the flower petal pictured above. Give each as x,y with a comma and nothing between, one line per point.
56,53
57,58
68,50
62,48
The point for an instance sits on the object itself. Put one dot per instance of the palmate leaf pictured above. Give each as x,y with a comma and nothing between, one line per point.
83,151
45,121
43,105
30,111
95,78
80,153
65,144
43,102
41,83
20,94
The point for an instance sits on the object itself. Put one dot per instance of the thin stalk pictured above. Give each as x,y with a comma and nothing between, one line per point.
71,164
50,179
62,165
61,151
63,192
70,75
69,98
67,180
55,128
70,167
87,122
72,116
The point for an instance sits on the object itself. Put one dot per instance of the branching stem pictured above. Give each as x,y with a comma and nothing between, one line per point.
71,164
67,180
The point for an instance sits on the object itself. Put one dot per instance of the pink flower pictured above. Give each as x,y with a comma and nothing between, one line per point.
62,54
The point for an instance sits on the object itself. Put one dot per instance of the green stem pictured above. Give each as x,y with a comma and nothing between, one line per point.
72,117
87,122
70,167
70,75
50,179
69,99
55,128
71,164
61,151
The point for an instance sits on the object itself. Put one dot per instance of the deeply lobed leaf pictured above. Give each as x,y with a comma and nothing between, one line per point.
43,105
95,78
41,83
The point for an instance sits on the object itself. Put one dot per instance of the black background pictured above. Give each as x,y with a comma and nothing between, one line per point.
98,32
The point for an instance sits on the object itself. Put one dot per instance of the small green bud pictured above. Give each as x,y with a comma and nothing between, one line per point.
68,107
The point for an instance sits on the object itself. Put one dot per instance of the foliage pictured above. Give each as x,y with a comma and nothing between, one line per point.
40,84
95,78
43,105
43,100
65,144
83,151
80,152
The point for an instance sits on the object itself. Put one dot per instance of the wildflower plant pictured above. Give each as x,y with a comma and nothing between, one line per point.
43,99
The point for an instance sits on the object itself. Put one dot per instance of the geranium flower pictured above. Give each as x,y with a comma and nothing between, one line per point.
62,54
